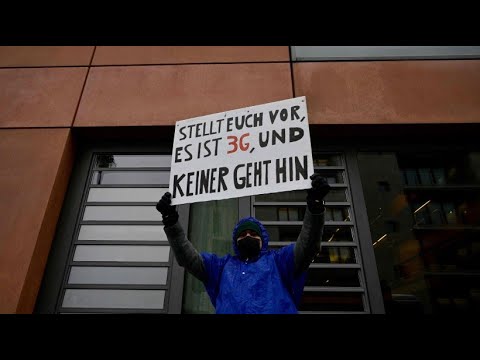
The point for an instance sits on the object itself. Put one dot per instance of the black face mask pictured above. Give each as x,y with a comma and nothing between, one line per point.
248,247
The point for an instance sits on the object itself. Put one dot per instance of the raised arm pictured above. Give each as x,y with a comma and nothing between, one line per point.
308,241
185,253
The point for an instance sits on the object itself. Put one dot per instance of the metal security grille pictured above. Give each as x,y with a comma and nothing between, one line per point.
335,281
120,260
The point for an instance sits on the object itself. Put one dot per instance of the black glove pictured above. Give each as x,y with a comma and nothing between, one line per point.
315,195
169,212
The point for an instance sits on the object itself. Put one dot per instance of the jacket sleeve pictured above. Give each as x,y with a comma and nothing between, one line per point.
308,241
185,253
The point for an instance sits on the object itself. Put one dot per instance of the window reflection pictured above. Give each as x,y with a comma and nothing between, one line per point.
210,229
425,226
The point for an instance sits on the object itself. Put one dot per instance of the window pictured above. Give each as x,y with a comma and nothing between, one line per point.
210,230
118,258
329,53
429,261
335,281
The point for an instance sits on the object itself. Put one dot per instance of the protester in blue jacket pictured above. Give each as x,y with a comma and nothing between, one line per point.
255,280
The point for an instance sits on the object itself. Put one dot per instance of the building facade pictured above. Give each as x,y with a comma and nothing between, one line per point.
86,138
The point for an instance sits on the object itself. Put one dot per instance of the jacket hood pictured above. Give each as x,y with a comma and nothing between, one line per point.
265,236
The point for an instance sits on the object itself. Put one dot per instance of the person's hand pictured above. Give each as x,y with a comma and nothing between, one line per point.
317,193
169,212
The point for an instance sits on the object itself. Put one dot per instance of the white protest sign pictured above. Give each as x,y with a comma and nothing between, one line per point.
249,151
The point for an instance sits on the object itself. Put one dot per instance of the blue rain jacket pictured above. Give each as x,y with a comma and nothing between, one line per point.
265,285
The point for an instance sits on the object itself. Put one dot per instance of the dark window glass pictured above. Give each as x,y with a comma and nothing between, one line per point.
287,233
337,214
333,177
340,301
280,213
297,213
295,196
425,229
284,233
331,255
332,277
327,160
333,233
336,255
336,195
